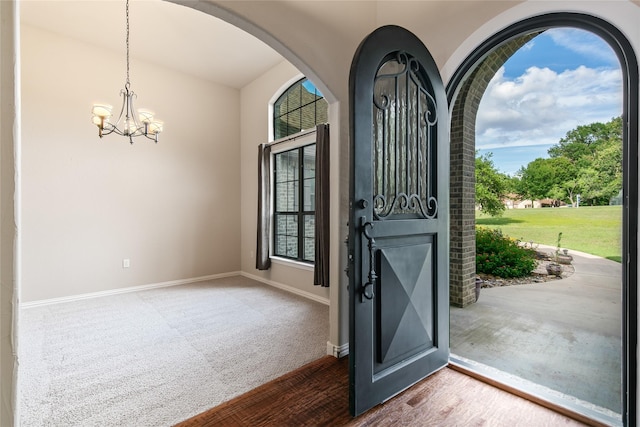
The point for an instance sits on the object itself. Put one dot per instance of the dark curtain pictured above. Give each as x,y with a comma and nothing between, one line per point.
264,207
321,267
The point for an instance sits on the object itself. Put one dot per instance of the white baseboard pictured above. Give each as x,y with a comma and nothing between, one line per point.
99,294
79,297
287,288
337,350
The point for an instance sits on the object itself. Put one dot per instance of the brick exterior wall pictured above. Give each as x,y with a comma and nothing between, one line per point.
462,268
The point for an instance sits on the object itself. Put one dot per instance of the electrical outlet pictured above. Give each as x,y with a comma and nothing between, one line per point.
126,263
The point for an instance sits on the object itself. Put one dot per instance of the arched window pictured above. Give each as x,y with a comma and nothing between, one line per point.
300,107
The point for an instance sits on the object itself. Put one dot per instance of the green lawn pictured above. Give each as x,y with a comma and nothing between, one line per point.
595,230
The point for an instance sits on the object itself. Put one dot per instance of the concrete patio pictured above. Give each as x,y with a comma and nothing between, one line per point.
563,334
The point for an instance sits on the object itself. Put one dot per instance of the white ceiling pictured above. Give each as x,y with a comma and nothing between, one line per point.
167,34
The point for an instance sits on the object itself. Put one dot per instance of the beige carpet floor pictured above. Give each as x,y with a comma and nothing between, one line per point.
157,357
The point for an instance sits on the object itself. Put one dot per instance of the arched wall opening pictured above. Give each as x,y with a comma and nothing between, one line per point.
464,91
264,36
338,315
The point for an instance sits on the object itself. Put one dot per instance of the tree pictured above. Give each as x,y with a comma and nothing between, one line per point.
587,161
512,184
595,150
602,179
581,144
491,186
536,179
566,191
549,178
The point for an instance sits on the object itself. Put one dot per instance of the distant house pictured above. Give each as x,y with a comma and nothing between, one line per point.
512,201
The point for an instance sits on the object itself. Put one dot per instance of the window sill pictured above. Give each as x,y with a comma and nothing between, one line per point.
291,263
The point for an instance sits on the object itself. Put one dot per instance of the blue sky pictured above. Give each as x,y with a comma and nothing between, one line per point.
561,79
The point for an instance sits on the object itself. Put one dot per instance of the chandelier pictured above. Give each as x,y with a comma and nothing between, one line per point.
128,123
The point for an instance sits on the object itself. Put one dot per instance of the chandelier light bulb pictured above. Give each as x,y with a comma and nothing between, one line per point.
102,110
155,127
146,116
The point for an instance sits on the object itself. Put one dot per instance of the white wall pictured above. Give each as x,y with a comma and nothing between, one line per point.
171,208
255,99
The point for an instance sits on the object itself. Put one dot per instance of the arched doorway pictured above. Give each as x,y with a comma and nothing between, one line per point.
465,90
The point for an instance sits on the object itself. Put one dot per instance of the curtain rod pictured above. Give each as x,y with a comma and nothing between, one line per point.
292,138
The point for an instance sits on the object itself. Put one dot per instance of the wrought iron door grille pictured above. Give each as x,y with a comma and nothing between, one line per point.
404,135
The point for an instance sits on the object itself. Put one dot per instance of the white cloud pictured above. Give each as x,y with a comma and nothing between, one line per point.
541,106
528,46
582,42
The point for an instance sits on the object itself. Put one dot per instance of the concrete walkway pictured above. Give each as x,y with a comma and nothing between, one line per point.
564,334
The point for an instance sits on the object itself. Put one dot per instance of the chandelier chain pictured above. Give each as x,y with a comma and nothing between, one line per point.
134,123
128,84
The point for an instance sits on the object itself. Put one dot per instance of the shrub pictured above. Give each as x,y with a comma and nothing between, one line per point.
502,256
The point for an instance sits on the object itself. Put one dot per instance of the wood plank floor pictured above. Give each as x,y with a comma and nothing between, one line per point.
317,394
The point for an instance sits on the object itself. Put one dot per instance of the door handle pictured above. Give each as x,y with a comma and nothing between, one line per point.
368,289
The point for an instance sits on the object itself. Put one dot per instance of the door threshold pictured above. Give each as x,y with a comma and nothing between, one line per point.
561,403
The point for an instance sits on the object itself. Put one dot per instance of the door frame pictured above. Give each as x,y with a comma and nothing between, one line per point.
629,66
